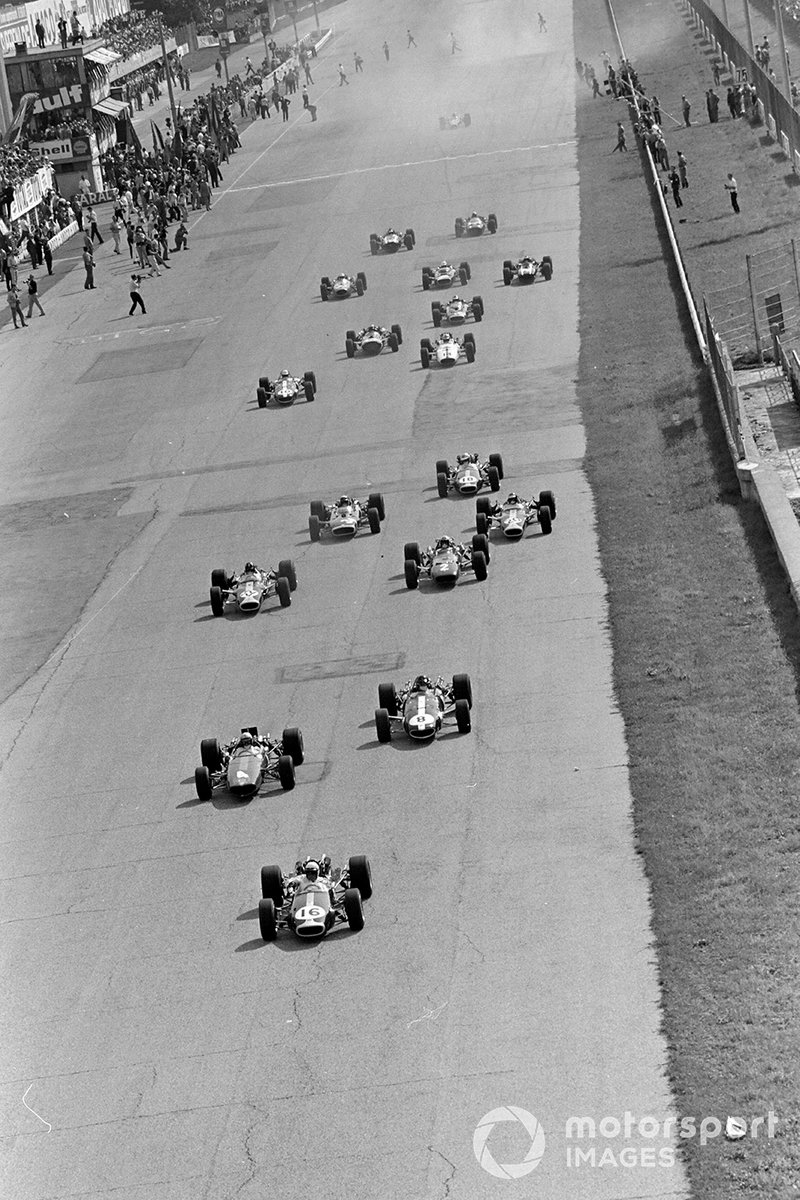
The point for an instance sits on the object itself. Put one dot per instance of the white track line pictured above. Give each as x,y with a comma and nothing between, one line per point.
30,1110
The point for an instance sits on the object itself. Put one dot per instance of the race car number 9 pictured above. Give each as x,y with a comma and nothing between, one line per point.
311,912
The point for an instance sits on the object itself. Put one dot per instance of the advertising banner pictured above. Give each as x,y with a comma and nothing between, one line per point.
30,192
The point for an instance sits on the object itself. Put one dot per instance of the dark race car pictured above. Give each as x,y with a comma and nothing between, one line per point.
455,121
241,766
345,517
286,388
527,270
315,898
447,350
342,286
474,225
371,340
469,474
455,310
446,561
514,515
445,275
391,242
246,591
421,707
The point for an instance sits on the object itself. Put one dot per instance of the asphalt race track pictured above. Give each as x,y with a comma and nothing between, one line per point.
153,1048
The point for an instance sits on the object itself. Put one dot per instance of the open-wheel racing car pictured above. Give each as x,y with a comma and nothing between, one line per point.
447,350
455,310
445,275
469,475
243,764
286,388
420,708
315,898
391,241
455,120
474,225
514,515
444,562
527,269
342,285
371,340
247,590
346,516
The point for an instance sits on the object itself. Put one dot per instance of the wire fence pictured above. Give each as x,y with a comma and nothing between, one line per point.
766,295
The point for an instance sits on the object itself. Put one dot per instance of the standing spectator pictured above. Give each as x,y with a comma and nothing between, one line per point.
717,77
84,186
136,298
116,228
13,303
731,102
682,169
686,108
675,184
91,221
88,262
595,87
249,69
62,32
411,41
358,62
656,106
205,193
47,254
732,189
304,94
307,70
218,67
453,43
621,143
33,297
39,27
542,23
386,50
713,106
75,26
342,76
285,102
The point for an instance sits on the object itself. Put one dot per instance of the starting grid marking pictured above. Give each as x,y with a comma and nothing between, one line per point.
119,333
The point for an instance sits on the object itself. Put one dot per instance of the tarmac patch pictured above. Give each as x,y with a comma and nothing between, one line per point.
246,249
27,515
142,360
335,668
293,195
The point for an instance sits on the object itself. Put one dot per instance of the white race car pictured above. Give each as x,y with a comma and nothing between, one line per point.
315,899
245,592
474,225
346,516
371,340
421,707
391,242
527,269
447,350
514,515
445,275
342,286
286,388
455,310
469,474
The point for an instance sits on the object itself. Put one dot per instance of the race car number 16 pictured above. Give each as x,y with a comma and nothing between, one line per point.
311,912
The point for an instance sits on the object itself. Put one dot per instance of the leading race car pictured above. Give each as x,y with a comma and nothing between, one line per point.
455,310
446,560
246,590
514,515
315,898
346,516
391,242
527,269
286,388
455,120
469,475
342,286
420,708
445,275
474,225
371,340
243,764
447,350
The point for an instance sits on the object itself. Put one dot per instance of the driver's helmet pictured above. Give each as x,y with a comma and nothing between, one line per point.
341,276
311,869
344,501
513,498
443,265
284,374
422,681
249,568
444,542
447,337
472,214
464,458
246,739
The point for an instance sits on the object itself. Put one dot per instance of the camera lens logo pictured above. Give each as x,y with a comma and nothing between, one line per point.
483,1132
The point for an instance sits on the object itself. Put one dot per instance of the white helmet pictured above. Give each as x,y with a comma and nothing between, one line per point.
311,869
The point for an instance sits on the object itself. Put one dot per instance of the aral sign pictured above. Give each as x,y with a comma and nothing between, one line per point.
65,97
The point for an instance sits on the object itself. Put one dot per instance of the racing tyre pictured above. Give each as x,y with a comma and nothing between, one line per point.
464,266
482,523
410,236
309,389
262,397
219,578
469,350
547,271
323,292
463,716
292,742
494,479
425,356
442,465
469,336
442,484
480,543
311,377
210,754
350,335
363,279
479,565
317,509
267,920
426,281
460,227
374,518
463,277
383,726
462,688
483,504
202,783
272,885
217,602
387,698
314,528
376,501
373,243
398,333
466,120
354,910
411,550
491,223
412,574
436,313
545,519
325,281
264,382
287,568
360,873
477,302
350,348
549,499
359,288
508,275
286,774
394,345
284,591
496,460
477,312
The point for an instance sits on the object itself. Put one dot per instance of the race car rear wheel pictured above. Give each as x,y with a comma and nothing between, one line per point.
292,742
309,389
463,716
469,350
425,357
284,591
383,726
267,920
287,568
262,397
309,375
286,774
459,227
374,243
363,279
547,271
272,885
217,601
359,288
549,499
496,460
410,236
494,479
411,550
387,698
436,313
323,292
480,543
477,302
350,348
426,280
211,754
360,873
314,528
545,519
412,574
442,484
483,504
398,333
508,275
466,120
202,783
479,566
354,910
491,223
464,267
374,518
393,343
462,277
477,312
376,501
482,523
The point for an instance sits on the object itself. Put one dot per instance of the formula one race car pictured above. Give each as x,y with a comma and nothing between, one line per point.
315,898
391,242
455,310
346,516
455,120
420,708
286,388
514,515
243,764
342,286
444,562
247,590
445,275
527,269
447,350
469,475
371,341
474,225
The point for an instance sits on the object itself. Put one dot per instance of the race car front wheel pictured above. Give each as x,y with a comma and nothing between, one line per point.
202,783
286,772
463,717
354,910
383,726
360,873
267,920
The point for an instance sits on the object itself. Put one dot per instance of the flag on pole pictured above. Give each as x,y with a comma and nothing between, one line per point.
158,139
132,138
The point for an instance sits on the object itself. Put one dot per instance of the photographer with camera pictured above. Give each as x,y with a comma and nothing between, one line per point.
135,295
